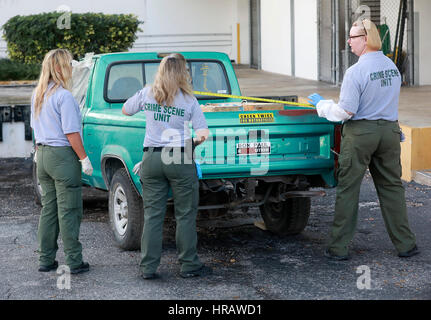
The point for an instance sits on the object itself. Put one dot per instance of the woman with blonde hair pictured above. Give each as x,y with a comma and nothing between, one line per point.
60,156
371,138
169,106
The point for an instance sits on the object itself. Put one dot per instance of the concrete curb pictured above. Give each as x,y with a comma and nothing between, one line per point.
422,177
17,85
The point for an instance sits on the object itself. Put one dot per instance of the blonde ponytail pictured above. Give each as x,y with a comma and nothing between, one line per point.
373,36
171,77
56,68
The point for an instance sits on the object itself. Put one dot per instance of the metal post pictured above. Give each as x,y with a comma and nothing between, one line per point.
292,37
334,36
348,24
238,41
337,42
395,52
250,32
258,65
319,72
403,24
411,42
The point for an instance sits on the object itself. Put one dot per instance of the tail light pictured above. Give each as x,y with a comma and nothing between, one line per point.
296,112
337,147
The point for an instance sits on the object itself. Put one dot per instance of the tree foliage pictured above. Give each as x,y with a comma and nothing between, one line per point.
29,38
12,70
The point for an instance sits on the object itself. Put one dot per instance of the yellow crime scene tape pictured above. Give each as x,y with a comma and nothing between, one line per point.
211,94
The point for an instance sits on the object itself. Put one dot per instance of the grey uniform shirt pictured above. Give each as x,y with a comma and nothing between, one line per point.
60,115
167,125
371,88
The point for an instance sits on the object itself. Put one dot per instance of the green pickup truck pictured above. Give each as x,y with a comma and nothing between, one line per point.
255,158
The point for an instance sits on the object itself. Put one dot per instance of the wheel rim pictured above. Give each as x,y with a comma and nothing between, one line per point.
276,211
120,211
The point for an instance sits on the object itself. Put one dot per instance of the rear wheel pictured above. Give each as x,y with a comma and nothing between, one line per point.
126,214
288,217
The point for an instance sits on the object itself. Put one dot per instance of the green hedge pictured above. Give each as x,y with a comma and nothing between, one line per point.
12,70
29,38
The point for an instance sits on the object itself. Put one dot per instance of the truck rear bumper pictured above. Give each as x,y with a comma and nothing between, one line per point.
280,198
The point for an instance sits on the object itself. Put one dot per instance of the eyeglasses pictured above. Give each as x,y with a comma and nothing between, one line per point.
361,35
352,37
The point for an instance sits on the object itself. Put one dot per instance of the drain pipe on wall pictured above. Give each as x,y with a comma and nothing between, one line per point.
319,51
333,45
348,23
238,35
292,37
411,41
337,43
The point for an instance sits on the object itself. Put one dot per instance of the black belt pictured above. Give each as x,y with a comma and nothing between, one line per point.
374,120
159,149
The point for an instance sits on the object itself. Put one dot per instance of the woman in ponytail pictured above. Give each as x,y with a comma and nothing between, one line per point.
60,157
169,106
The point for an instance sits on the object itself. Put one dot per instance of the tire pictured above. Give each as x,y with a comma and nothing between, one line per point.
126,214
289,217
37,190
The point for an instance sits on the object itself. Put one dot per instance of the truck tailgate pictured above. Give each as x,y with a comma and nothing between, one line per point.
293,141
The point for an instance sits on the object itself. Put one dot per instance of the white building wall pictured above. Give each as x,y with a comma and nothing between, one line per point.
169,25
275,36
306,42
14,144
186,25
243,18
423,7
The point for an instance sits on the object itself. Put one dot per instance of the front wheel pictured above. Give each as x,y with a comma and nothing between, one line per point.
288,217
126,214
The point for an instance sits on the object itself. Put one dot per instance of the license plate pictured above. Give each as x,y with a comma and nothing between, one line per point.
253,148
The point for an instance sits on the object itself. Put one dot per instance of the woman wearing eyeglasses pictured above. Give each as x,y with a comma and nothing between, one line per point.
371,136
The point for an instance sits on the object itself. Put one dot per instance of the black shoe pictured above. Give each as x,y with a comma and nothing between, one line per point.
409,253
334,257
84,267
52,267
202,271
150,276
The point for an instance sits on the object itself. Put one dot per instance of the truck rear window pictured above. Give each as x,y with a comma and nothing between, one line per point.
125,79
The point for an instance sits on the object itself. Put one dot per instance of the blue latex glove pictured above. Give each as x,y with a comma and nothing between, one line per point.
315,98
198,169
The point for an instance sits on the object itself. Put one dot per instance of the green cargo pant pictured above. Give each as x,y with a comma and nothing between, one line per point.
59,174
374,145
156,178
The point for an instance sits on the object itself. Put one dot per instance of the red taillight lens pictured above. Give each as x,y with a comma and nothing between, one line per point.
297,112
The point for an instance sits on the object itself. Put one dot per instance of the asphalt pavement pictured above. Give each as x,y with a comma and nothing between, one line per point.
249,263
